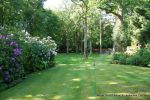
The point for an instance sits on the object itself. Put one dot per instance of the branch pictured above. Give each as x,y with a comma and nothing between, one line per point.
114,13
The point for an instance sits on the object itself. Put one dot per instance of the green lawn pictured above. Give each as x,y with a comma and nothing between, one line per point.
76,79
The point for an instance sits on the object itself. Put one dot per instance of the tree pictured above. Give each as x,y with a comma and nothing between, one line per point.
84,6
120,9
140,23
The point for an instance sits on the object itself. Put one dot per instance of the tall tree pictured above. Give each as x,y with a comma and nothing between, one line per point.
121,9
84,6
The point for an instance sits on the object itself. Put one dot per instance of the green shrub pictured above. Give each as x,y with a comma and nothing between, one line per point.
129,61
119,58
141,58
21,53
145,57
116,56
122,59
11,54
136,60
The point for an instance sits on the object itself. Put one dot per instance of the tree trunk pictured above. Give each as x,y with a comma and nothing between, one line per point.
100,35
77,46
85,35
90,47
67,44
81,47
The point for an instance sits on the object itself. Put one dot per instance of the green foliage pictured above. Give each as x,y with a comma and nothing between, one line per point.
119,58
39,53
10,58
20,53
145,57
134,60
141,58
140,20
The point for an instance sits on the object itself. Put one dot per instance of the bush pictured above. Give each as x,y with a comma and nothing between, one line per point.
39,53
141,58
21,53
10,58
119,58
145,57
116,56
134,60
122,59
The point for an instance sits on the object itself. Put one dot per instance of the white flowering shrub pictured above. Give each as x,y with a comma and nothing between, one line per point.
21,54
39,53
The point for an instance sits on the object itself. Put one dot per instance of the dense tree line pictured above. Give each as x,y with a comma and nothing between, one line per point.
29,16
83,26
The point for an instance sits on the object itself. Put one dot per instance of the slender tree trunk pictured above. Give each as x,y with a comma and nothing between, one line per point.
67,43
114,48
85,35
100,35
90,47
82,37
77,47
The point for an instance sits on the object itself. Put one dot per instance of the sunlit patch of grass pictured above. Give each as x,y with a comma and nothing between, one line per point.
74,78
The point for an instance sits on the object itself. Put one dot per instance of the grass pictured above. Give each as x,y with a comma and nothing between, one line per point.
76,79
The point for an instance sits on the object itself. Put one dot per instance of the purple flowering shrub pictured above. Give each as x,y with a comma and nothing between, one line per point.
10,58
20,54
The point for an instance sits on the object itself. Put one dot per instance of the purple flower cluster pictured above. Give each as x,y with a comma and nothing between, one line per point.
6,36
14,44
9,48
17,51
10,58
3,37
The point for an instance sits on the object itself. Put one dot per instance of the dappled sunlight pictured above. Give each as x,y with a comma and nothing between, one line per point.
71,64
76,79
74,59
91,98
62,64
31,97
120,76
40,95
28,96
111,82
92,68
87,62
78,69
57,97
73,80
147,93
36,98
